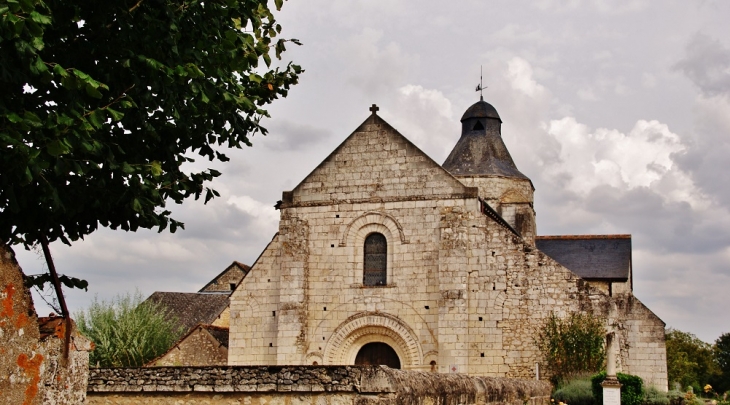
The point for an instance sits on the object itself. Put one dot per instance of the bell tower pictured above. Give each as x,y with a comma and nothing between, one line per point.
480,159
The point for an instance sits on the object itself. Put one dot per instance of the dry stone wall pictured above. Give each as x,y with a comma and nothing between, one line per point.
305,385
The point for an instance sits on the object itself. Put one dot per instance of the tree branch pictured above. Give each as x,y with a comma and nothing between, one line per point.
59,294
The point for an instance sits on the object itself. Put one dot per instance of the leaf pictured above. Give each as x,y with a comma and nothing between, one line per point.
97,118
57,148
116,115
31,119
92,91
156,168
39,18
14,118
136,205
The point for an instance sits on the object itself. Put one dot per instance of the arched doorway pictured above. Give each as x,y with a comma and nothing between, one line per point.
377,353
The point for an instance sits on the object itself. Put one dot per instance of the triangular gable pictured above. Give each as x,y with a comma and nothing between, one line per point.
376,163
214,333
239,271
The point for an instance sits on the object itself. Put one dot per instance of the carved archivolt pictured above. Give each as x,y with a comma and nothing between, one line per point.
363,222
364,328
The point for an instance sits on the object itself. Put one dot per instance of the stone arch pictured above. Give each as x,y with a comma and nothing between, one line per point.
361,329
353,229
354,238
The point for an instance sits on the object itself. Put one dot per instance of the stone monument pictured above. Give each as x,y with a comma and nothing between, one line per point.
611,386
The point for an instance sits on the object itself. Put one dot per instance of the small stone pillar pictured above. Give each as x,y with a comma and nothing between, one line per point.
611,386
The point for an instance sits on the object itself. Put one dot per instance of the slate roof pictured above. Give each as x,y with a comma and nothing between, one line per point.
191,309
592,257
481,109
481,151
219,333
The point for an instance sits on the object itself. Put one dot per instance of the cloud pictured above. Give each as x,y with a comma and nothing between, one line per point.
426,118
372,64
707,65
285,135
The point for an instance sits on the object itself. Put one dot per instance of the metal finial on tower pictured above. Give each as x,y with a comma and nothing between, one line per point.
480,87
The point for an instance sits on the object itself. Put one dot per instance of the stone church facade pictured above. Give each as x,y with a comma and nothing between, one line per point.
384,256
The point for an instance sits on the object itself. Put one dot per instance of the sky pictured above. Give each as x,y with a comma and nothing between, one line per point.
618,111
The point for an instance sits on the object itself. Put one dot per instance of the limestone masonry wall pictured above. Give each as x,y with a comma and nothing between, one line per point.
464,294
305,385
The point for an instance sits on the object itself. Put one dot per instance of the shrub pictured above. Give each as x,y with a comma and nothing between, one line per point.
126,331
632,392
653,396
571,346
576,391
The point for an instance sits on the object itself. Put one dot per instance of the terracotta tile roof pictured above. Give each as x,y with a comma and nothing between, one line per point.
191,309
51,326
592,257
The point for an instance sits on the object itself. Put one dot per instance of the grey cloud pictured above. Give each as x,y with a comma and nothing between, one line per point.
285,135
659,225
707,65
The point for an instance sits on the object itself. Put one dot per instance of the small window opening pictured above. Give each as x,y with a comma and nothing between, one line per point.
376,260
433,366
482,355
478,126
273,313
480,318
271,345
427,307
233,286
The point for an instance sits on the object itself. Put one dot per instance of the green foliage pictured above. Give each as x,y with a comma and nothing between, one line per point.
104,102
575,391
689,361
721,351
653,396
571,346
127,332
632,392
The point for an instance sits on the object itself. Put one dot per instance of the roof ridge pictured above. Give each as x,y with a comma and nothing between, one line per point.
590,236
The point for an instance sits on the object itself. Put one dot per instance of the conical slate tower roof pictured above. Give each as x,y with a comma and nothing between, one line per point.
480,150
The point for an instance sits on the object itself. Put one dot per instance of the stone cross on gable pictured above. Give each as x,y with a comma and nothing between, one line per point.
374,108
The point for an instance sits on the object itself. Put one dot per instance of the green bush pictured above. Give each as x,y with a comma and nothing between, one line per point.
127,332
632,392
653,396
576,391
571,346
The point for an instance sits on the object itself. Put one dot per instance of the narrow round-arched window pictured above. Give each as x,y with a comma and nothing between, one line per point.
376,260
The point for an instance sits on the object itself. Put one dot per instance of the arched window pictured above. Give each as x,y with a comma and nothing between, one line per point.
376,260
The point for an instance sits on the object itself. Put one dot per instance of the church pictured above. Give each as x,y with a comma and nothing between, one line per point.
384,256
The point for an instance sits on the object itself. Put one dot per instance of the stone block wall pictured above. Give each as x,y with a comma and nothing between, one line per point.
305,385
197,348
463,294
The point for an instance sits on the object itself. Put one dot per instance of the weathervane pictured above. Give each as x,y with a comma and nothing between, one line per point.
479,86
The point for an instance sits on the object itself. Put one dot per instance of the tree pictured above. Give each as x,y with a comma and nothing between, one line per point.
126,331
689,360
571,346
104,102
722,360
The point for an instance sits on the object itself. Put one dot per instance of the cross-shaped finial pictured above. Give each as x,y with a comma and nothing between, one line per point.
374,108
